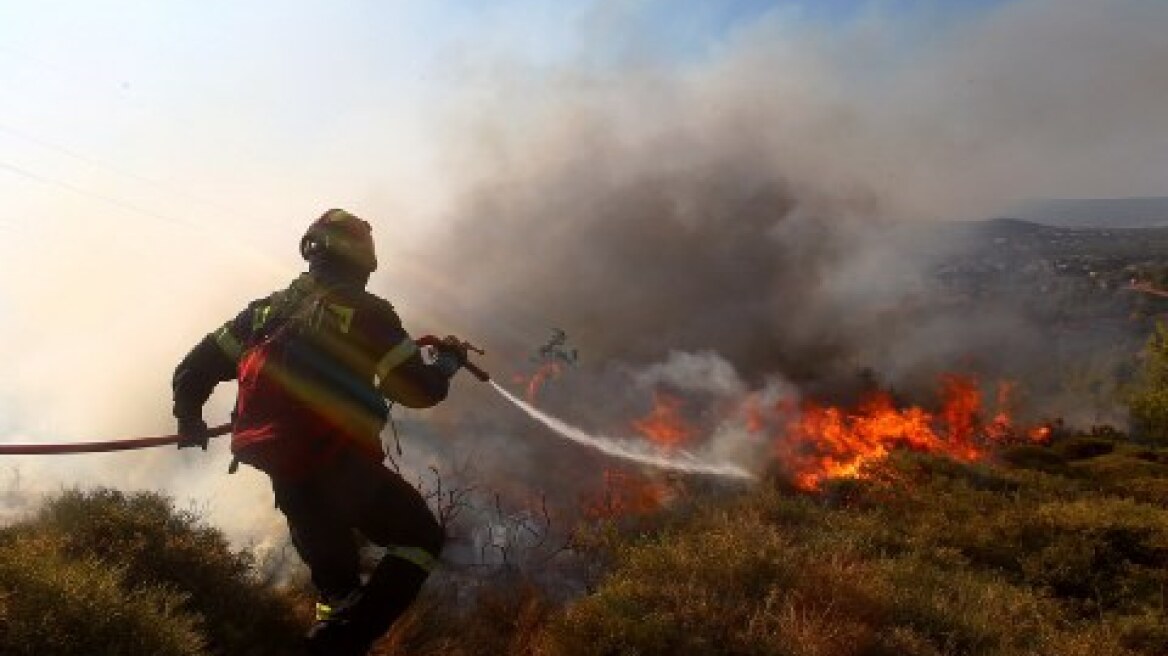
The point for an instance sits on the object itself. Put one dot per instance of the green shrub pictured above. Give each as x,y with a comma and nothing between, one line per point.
155,546
54,604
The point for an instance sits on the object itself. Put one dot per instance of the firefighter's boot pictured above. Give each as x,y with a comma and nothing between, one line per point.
391,589
333,633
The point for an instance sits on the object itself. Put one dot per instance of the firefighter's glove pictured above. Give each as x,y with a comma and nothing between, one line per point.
192,431
450,355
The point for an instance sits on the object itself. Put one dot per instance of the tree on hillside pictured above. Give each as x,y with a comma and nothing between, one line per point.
1147,397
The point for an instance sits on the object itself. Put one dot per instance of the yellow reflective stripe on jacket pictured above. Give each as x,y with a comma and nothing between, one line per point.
344,315
260,317
416,555
229,343
394,357
324,612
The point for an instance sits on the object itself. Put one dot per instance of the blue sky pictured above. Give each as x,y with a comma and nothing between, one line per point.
128,58
668,29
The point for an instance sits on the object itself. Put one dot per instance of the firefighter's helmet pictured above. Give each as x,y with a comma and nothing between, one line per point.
341,238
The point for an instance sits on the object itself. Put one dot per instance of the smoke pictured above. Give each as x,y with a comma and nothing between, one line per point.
732,223
94,326
694,372
772,201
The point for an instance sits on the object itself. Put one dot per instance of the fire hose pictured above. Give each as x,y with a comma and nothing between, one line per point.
100,447
163,440
609,446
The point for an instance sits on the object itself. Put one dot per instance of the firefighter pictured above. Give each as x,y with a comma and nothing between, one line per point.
316,363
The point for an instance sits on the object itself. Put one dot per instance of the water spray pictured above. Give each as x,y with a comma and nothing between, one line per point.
625,449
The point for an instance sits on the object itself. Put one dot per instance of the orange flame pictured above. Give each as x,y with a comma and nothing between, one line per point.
813,442
960,402
1001,427
664,425
753,415
533,383
824,442
626,494
1041,434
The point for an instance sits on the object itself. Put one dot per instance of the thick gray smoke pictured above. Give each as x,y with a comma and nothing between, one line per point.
773,202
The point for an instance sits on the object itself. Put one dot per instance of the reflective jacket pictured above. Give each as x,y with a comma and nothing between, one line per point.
361,355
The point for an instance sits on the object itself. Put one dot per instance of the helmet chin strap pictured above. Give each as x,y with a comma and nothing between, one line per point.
331,271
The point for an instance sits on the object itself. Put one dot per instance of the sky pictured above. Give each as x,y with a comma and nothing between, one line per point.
160,160
110,97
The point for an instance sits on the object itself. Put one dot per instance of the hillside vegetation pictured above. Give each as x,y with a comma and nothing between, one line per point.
1067,554
1051,550
103,572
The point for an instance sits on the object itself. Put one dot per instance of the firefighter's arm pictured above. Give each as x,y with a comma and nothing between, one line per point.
405,378
400,371
212,361
194,380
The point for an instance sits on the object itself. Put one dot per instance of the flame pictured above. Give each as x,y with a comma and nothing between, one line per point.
754,417
824,442
626,494
1040,434
664,425
961,401
1001,427
820,442
813,442
533,383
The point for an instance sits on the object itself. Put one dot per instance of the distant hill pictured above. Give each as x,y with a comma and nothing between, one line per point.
1096,212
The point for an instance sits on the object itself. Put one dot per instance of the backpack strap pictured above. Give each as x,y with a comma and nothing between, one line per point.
289,307
273,318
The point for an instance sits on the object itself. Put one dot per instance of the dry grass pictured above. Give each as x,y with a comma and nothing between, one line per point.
1060,550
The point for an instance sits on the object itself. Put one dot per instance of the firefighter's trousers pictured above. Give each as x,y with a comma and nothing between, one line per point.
356,493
